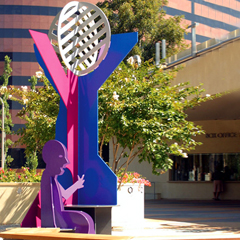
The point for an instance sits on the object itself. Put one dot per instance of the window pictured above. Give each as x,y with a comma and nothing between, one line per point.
199,167
19,158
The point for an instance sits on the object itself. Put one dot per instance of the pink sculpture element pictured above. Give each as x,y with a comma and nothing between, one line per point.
68,90
52,209
53,63
33,216
72,127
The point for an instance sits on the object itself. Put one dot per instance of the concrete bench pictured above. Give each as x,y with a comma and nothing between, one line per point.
53,234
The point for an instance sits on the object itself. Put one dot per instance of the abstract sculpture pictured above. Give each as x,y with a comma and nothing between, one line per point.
84,37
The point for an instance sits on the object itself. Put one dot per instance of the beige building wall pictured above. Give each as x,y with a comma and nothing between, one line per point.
162,187
218,70
221,136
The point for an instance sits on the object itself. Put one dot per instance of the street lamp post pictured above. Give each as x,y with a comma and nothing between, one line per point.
3,133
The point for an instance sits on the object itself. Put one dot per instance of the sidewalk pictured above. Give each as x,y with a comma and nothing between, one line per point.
175,219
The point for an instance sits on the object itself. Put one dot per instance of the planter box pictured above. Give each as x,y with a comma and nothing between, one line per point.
15,200
130,205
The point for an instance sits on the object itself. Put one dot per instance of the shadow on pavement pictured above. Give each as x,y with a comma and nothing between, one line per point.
193,216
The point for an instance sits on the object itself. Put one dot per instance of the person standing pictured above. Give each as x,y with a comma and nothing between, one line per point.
217,179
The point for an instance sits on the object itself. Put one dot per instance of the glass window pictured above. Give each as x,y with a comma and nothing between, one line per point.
19,158
231,164
199,167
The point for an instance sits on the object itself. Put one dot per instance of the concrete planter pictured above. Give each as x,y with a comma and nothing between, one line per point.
130,206
15,200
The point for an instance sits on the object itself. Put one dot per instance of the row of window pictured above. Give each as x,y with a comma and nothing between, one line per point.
18,32
214,23
29,10
21,81
19,159
19,56
200,167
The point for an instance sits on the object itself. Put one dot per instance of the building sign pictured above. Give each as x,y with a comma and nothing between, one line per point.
223,135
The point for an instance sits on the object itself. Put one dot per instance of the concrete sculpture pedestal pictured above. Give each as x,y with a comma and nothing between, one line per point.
130,208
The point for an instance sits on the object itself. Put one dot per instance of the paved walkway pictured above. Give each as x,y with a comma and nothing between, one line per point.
169,219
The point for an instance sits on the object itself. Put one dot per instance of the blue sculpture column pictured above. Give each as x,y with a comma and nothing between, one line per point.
100,185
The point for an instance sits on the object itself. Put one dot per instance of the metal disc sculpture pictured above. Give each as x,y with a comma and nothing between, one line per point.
83,35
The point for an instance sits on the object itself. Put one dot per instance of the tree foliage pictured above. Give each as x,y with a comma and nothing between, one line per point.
5,96
143,114
149,19
40,110
140,111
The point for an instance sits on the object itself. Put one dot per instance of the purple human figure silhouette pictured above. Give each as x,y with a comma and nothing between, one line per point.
52,209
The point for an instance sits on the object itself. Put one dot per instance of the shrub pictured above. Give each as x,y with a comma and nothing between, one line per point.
132,177
25,175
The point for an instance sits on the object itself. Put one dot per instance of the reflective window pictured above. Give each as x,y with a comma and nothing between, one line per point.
19,159
22,81
29,10
18,33
200,167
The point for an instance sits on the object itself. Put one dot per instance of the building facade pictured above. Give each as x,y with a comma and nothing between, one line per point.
217,67
216,19
16,18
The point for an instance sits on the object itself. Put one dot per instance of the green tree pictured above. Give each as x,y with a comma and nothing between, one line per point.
31,158
5,96
41,106
149,19
140,111
143,114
